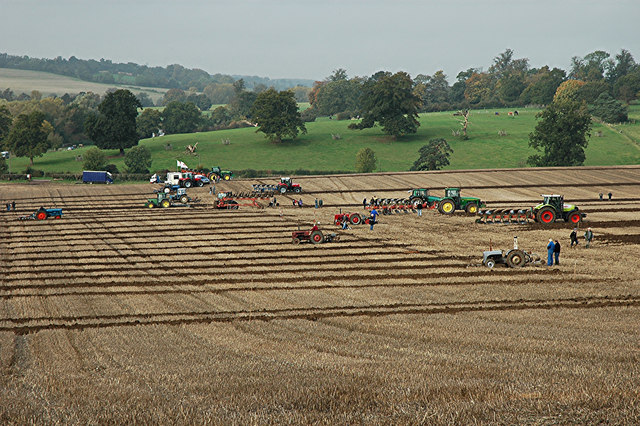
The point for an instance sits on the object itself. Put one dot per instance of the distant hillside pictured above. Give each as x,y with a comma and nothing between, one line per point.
106,72
22,81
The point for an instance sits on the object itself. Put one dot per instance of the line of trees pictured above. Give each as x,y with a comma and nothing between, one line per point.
106,71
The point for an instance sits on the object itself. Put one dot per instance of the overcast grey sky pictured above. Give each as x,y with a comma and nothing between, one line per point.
310,38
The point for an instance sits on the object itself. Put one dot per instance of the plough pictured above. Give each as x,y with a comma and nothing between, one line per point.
388,206
513,216
228,200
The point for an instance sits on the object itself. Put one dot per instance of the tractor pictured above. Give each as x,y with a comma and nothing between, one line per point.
314,235
217,174
421,196
353,218
42,214
514,258
553,208
168,200
286,184
452,201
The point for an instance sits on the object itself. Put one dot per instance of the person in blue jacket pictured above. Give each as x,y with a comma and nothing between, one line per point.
373,219
550,248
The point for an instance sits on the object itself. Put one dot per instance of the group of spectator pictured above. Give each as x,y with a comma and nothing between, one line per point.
11,206
553,248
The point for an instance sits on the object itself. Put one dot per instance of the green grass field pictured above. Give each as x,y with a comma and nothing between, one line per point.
23,81
317,150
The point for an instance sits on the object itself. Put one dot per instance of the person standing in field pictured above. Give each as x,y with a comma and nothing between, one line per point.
588,236
556,251
610,195
574,237
550,248
419,209
373,219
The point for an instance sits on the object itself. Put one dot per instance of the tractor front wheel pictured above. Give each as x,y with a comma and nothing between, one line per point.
447,206
296,240
317,237
227,177
200,183
472,208
297,190
150,205
546,215
490,263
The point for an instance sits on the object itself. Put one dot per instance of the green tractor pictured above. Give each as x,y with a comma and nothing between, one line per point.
553,208
421,196
217,174
166,200
452,201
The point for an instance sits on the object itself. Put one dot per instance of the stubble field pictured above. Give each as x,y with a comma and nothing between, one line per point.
117,313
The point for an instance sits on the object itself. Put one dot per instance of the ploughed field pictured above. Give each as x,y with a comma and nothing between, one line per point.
120,313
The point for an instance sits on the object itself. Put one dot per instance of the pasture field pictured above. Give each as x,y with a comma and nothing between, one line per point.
121,314
317,150
24,81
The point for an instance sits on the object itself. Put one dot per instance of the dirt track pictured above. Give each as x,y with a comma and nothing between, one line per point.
116,291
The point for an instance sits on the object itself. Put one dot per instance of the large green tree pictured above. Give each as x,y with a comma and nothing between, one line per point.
390,101
114,127
366,160
29,136
181,117
277,116
149,122
433,156
561,134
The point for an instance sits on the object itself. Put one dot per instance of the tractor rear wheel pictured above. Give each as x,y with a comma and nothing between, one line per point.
447,206
282,189
165,203
184,199
316,237
41,215
574,217
516,259
472,208
188,184
355,219
167,190
546,215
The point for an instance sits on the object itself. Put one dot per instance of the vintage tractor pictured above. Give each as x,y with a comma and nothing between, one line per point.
514,258
452,201
551,209
314,235
42,214
287,185
353,218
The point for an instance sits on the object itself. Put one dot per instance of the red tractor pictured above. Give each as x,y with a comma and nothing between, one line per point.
287,185
314,235
353,218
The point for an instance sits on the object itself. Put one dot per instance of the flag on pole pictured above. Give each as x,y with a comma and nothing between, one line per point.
181,165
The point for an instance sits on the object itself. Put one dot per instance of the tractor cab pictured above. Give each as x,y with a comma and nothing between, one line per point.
420,193
453,193
555,201
285,181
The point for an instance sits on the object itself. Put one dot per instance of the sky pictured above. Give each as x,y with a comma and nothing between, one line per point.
311,38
